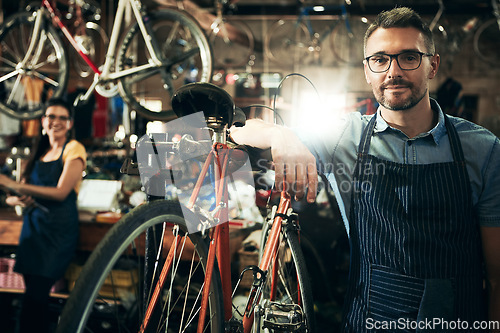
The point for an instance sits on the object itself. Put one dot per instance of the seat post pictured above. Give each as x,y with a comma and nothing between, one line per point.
219,128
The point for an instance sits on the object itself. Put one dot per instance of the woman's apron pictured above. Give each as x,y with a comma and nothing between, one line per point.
48,239
415,245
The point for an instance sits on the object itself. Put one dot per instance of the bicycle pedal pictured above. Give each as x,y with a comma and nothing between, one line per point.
234,326
283,317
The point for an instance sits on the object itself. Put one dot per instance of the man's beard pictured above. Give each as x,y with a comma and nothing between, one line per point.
400,105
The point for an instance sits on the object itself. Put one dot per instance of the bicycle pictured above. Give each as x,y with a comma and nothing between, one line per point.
487,38
82,18
232,40
177,284
155,56
449,38
293,42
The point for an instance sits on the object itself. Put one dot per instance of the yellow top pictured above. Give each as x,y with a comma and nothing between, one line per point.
75,150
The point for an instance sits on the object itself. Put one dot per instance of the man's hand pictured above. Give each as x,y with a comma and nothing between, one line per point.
295,165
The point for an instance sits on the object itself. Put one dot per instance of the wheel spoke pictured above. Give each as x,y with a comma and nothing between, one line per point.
183,57
8,76
14,89
9,50
46,79
16,52
188,285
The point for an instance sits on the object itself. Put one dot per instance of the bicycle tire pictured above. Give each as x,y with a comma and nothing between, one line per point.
23,92
84,310
292,273
487,42
186,55
232,52
287,43
348,48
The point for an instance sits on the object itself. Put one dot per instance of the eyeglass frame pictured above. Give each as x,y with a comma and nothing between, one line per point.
395,56
52,117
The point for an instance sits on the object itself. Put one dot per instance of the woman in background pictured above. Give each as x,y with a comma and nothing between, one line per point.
48,193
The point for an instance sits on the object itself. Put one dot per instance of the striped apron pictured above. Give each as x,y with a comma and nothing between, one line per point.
416,257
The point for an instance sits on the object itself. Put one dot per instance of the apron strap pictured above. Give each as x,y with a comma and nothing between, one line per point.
455,143
62,151
364,145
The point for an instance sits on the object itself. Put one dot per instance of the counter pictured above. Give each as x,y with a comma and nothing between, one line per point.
90,232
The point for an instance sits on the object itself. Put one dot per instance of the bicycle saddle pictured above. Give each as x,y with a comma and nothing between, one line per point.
216,104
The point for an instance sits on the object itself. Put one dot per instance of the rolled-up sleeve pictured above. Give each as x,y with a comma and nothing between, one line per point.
488,205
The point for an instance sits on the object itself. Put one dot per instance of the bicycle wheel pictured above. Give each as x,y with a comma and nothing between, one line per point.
118,301
487,42
184,51
24,89
94,42
291,283
347,46
288,43
233,43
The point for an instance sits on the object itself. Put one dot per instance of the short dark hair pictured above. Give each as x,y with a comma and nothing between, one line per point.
402,17
61,102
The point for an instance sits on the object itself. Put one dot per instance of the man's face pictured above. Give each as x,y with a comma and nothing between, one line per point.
398,89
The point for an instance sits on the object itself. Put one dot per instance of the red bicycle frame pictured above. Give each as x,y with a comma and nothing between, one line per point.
219,245
54,14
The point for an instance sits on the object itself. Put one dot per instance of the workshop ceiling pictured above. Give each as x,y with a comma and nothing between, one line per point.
361,7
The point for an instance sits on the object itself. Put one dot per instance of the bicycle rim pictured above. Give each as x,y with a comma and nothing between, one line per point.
348,46
291,282
287,43
233,44
23,91
186,56
110,291
487,42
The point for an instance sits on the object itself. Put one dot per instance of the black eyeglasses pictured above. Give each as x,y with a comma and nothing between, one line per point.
407,61
53,117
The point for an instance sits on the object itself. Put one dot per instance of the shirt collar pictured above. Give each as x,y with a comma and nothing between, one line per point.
436,133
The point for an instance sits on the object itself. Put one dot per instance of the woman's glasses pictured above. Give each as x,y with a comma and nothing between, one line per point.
53,117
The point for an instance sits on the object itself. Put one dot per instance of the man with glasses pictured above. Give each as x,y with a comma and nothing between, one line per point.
418,191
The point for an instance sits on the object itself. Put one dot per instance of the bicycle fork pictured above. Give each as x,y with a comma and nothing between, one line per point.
271,311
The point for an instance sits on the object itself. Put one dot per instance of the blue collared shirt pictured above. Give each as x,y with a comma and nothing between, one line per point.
336,152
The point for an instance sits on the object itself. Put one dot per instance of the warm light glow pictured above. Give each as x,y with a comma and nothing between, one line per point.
317,114
133,140
120,134
155,127
152,104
